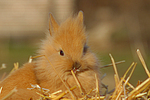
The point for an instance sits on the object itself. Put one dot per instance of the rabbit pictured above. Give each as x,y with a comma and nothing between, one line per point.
64,49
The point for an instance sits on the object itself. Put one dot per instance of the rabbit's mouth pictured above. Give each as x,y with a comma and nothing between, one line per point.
77,70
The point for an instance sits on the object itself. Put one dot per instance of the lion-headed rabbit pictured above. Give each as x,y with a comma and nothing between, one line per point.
66,48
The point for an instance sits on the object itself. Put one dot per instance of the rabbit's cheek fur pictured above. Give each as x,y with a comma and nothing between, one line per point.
91,61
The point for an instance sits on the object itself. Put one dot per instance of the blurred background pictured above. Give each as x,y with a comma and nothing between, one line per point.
118,27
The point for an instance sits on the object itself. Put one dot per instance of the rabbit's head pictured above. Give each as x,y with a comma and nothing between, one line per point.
66,49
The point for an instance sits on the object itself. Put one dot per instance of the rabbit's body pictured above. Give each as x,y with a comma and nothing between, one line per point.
20,80
67,50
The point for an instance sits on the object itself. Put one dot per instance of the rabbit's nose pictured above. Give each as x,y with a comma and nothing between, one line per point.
76,66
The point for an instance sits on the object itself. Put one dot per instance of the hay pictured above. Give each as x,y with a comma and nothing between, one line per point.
123,89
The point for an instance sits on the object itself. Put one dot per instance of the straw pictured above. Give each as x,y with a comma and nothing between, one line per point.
115,69
140,88
77,82
16,66
64,93
116,63
1,90
143,62
97,86
126,81
120,83
10,93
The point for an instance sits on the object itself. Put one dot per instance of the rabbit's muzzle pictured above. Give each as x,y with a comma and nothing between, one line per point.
76,67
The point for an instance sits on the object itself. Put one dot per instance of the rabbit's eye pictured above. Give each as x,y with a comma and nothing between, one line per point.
61,53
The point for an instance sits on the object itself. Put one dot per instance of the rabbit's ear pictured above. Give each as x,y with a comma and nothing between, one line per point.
80,16
53,26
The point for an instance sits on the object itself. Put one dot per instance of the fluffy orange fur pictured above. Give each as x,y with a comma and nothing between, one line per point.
67,50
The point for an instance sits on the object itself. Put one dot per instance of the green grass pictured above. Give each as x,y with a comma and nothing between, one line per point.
16,53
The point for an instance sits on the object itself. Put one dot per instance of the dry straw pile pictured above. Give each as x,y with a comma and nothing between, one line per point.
123,89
